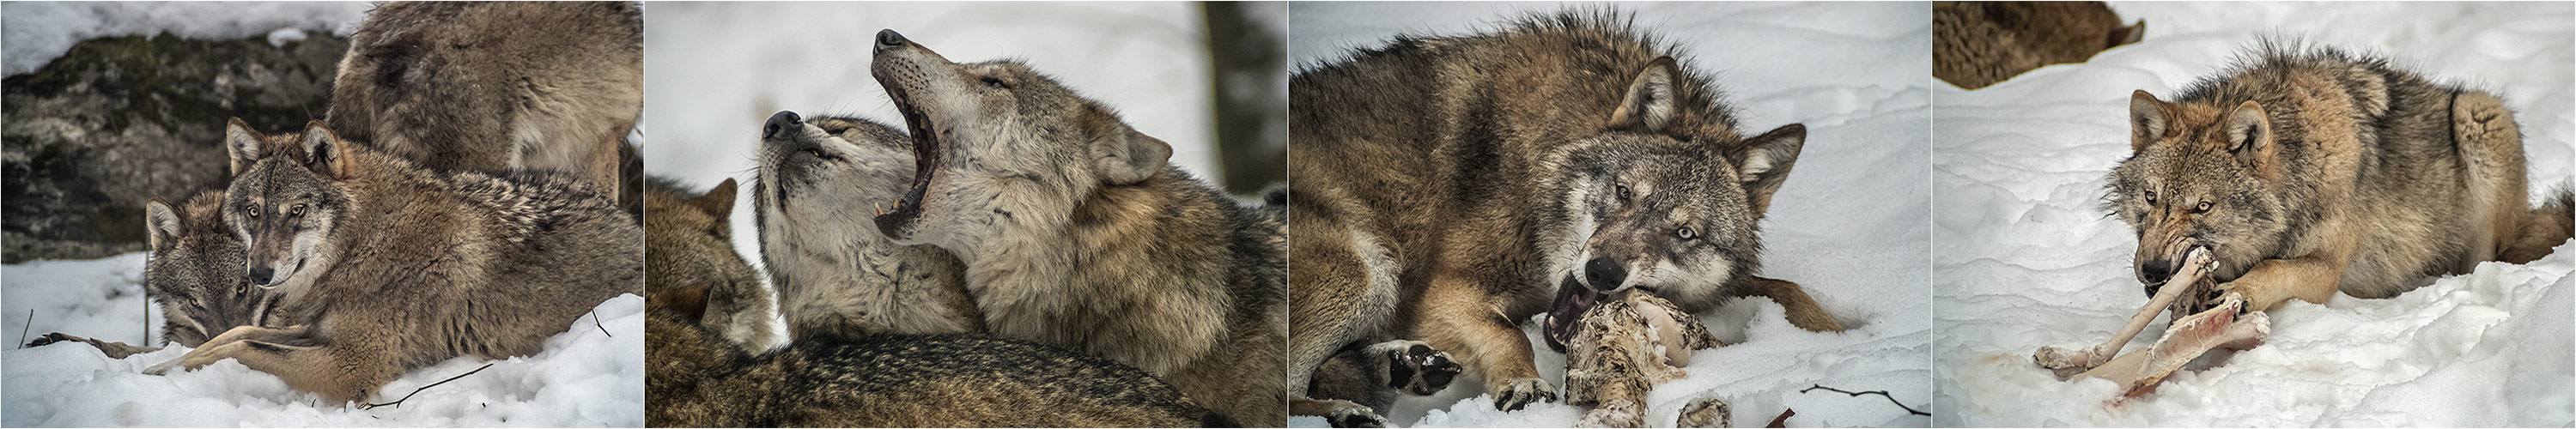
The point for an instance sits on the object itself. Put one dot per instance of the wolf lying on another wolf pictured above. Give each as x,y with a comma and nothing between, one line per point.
1075,230
194,273
386,266
1445,187
835,273
2307,171
688,242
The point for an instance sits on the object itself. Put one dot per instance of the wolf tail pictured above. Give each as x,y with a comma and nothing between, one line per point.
2548,226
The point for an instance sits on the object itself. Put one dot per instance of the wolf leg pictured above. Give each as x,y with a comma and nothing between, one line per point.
1802,310
1344,291
338,372
114,350
1461,318
2273,281
2491,162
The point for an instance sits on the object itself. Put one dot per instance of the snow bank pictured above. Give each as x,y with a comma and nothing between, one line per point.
34,33
1849,225
590,375
2026,259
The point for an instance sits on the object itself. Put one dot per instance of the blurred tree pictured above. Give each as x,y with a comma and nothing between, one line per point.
1247,48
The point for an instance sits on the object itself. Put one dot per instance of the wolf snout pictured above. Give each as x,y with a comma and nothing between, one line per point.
887,38
1603,274
261,275
782,122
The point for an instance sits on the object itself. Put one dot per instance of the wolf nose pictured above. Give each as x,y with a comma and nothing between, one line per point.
1604,274
887,38
2155,272
260,276
779,122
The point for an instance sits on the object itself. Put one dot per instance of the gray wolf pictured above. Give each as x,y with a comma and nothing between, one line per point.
387,266
2308,170
1075,231
822,181
194,273
697,378
1976,44
688,241
1558,159
496,86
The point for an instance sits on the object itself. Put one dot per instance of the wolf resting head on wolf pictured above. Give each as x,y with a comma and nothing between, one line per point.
1660,203
195,271
281,206
1020,119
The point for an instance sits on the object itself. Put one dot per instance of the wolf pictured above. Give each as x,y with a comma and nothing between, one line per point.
2307,170
821,182
1980,43
697,378
496,86
688,241
388,266
194,274
1076,231
1446,188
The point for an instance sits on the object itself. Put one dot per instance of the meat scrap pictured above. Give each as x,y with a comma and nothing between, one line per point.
2189,336
1627,345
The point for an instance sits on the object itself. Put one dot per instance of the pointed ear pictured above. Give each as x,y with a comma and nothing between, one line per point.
242,145
1765,160
1649,105
717,201
322,151
2128,35
2249,130
1123,155
2147,119
160,225
688,302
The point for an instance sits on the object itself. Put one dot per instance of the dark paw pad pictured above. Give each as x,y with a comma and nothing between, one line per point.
1420,370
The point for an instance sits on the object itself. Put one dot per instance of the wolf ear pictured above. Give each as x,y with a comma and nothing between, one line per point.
1764,161
322,151
2147,120
160,225
717,201
242,145
1123,155
2249,131
688,302
1649,105
2127,35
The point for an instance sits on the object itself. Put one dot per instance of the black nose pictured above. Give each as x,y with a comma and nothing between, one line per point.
887,38
260,276
1604,274
2155,272
783,121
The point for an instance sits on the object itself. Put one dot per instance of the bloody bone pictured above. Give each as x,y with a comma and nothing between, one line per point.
2187,338
2194,270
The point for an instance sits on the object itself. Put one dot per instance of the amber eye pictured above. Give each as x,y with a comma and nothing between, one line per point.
2151,198
296,211
2202,208
1686,234
253,211
1623,192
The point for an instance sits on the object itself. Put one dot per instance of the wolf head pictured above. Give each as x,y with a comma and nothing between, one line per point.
999,146
195,271
2201,174
284,201
1652,205
817,173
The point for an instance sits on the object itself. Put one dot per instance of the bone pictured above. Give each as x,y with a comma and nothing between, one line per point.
2221,327
2195,269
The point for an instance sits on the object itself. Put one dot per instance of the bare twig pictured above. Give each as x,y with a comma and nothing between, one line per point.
1783,420
594,322
406,397
1880,393
22,328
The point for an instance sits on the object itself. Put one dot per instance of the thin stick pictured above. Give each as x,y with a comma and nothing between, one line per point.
398,402
1880,393
22,328
594,322
1783,420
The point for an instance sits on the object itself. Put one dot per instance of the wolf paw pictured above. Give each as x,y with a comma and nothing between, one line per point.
52,337
1352,415
1512,395
1416,368
163,368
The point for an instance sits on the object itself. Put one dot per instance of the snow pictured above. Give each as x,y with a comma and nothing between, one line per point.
716,71
590,375
34,33
2026,259
1849,225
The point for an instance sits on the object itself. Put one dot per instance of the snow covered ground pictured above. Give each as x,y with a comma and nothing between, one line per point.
589,376
32,33
2026,259
1849,225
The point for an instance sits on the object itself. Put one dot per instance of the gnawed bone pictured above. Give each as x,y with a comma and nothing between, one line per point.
2195,270
2188,338
1623,347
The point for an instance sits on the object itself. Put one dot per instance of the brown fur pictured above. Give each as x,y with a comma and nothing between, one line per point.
688,242
1980,43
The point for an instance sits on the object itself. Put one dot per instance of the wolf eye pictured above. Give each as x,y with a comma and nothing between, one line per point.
1686,233
818,153
253,212
297,211
2202,208
2151,198
996,83
1623,192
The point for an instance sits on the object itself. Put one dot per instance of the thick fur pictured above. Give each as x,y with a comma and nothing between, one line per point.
689,242
388,266
1076,231
195,274
821,182
1981,43
2308,171
1446,186
496,86
697,378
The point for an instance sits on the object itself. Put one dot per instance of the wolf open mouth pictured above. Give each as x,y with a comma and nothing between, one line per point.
926,151
1565,317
